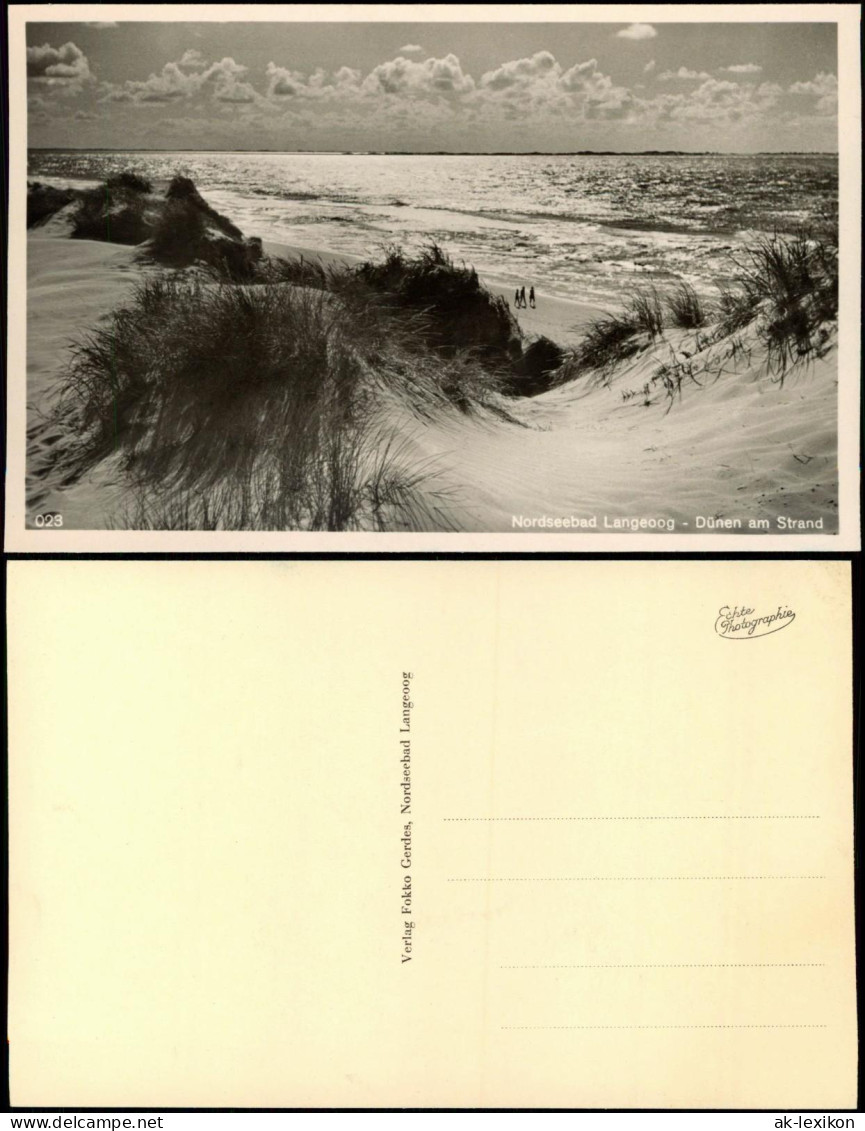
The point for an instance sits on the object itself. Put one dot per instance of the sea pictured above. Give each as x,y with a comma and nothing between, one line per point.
585,227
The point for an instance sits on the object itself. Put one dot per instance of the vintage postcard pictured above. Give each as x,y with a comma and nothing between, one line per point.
358,278
422,834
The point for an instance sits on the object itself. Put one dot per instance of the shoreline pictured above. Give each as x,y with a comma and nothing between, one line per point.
556,315
560,319
588,270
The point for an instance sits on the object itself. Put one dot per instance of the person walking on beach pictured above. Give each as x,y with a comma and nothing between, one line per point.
522,296
532,297
517,298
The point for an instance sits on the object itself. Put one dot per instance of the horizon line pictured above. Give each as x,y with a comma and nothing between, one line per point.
454,152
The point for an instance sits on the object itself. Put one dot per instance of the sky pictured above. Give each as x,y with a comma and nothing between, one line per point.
434,86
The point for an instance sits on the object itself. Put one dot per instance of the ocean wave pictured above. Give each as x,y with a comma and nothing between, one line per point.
577,225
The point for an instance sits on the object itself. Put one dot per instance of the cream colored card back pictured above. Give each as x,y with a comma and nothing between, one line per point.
611,867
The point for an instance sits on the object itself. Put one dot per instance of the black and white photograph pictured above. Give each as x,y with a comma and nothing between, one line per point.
559,278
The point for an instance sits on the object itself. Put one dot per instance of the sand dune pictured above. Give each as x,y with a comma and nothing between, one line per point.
71,285
736,447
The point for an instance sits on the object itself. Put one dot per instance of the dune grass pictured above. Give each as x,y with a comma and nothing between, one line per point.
45,201
178,235
536,370
464,315
183,189
439,307
685,308
613,337
130,181
302,272
181,236
786,286
187,231
111,212
436,307
260,407
195,383
789,286
177,230
355,482
645,311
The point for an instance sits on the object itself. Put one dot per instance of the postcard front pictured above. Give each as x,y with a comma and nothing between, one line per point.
314,279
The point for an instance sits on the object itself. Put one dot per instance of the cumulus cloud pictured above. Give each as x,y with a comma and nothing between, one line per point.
284,84
65,68
192,58
537,77
233,92
411,49
224,79
526,89
820,84
823,87
584,76
404,76
522,72
719,102
637,31
743,69
517,91
613,104
167,86
682,73
178,81
435,102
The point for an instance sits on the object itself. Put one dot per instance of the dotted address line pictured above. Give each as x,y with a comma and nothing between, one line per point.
576,879
678,817
663,965
664,1026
